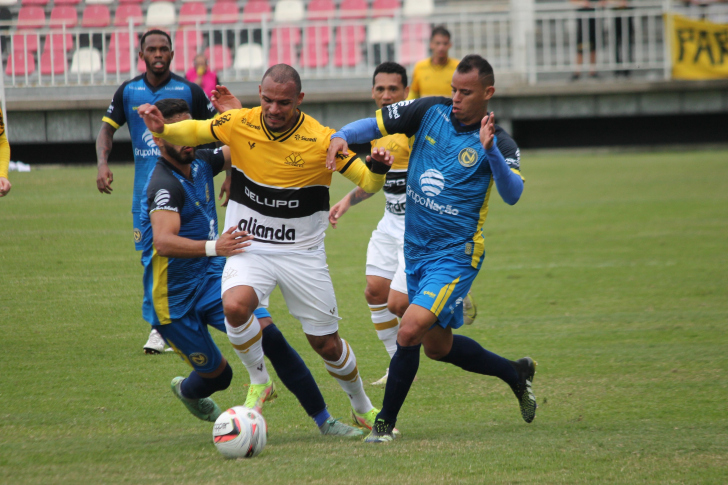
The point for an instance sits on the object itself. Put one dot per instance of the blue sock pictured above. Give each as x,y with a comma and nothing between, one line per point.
293,373
402,371
321,417
468,354
197,387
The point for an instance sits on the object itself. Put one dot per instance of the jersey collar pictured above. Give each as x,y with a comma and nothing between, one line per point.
157,88
285,135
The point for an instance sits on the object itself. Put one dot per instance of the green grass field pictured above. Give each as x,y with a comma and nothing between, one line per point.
611,272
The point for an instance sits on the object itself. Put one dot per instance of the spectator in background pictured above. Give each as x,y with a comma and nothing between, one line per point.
591,24
432,76
623,36
202,75
4,159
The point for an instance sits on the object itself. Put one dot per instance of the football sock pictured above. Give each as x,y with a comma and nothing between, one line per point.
293,373
387,325
321,417
402,371
468,354
246,341
347,375
197,387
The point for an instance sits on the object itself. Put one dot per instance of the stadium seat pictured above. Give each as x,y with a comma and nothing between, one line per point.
20,64
418,8
121,39
255,10
224,12
61,16
283,54
320,10
66,2
353,9
161,13
186,44
53,61
318,34
86,60
99,2
285,35
248,56
347,54
385,8
288,11
315,55
382,30
412,50
127,11
41,3
130,1
219,57
193,13
96,16
8,3
416,30
122,64
30,19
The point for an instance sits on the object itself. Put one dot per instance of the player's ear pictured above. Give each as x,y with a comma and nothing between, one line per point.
299,100
406,92
489,92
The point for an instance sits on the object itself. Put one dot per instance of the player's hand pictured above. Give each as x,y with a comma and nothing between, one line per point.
381,155
225,190
104,179
487,130
5,186
337,145
223,100
232,242
338,210
152,117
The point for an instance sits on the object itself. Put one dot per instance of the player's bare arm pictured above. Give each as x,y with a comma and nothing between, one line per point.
166,226
104,141
223,100
152,117
340,208
487,130
225,187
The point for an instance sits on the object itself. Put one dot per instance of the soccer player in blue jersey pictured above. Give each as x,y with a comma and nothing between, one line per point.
183,263
158,82
457,155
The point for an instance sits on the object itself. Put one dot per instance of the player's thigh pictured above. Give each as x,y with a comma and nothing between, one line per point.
306,286
382,255
399,281
250,269
440,286
191,340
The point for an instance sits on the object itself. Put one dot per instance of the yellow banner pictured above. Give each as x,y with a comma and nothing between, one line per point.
699,48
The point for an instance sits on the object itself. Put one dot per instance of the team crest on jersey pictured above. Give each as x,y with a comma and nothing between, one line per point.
137,235
392,147
467,157
198,358
294,160
221,120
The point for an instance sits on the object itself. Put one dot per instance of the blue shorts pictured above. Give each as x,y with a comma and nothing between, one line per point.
189,336
135,216
440,287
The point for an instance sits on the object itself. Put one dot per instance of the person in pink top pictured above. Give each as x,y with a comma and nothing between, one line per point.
202,75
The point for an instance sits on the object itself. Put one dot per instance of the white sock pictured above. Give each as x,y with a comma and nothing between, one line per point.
387,325
247,341
347,375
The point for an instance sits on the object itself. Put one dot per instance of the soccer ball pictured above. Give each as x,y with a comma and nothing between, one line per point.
240,432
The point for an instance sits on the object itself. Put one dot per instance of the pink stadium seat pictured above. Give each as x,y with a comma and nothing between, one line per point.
224,12
219,56
121,39
60,16
412,50
353,9
29,20
184,54
314,56
321,10
20,60
385,8
66,2
347,54
124,62
192,13
96,16
417,30
255,10
126,11
285,35
130,1
183,63
53,61
283,54
34,2
318,34
351,34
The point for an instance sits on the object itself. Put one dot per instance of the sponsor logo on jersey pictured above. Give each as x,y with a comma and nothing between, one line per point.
149,138
275,235
294,160
250,125
429,293
396,208
430,139
152,151
515,162
161,198
198,358
341,156
137,88
432,182
467,157
291,204
174,88
304,138
392,112
221,120
251,145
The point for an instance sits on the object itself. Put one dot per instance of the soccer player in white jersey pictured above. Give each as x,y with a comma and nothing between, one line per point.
280,194
386,290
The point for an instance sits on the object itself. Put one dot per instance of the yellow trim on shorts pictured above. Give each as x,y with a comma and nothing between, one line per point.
443,296
111,122
160,290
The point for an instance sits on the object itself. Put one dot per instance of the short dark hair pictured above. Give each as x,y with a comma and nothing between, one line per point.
171,107
440,30
283,73
485,70
391,68
154,32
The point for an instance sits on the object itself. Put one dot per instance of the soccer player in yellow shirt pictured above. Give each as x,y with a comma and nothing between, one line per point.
432,76
5,184
280,195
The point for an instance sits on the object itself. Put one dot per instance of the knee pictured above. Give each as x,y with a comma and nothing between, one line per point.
236,312
435,353
408,336
397,307
328,347
374,295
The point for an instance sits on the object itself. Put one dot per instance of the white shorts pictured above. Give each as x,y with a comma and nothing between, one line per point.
385,258
304,281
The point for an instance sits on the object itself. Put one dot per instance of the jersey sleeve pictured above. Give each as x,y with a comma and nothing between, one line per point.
214,158
406,116
222,125
165,193
511,152
115,115
201,108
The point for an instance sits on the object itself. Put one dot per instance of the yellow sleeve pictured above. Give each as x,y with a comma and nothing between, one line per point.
4,149
188,133
358,173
